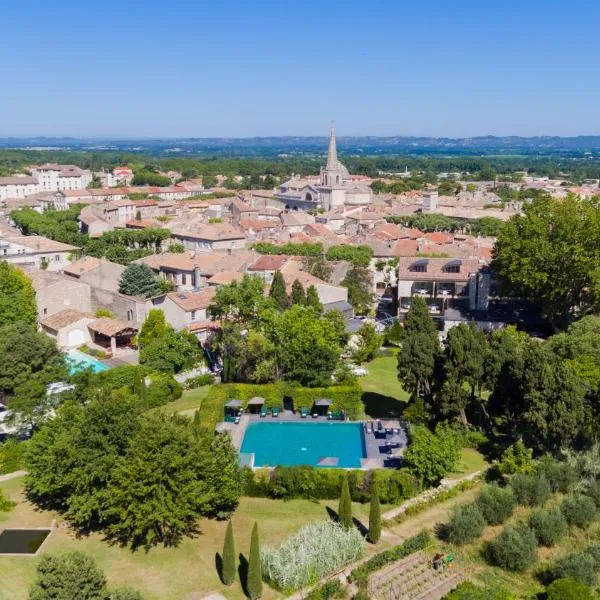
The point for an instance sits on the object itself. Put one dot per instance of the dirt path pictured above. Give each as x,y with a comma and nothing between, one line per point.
12,475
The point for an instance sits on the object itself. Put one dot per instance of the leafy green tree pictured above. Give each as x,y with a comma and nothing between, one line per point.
173,352
345,505
513,549
374,517
70,459
467,524
153,328
368,343
359,282
278,292
297,296
464,356
17,297
138,280
29,361
222,471
317,266
568,588
240,301
255,585
419,351
312,300
308,346
516,459
229,561
548,253
158,490
431,456
68,576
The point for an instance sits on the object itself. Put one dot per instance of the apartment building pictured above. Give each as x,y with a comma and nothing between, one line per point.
17,186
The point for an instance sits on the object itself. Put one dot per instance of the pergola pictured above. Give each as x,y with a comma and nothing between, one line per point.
112,331
323,405
254,404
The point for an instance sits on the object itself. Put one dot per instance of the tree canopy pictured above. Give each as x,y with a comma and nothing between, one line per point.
17,297
139,280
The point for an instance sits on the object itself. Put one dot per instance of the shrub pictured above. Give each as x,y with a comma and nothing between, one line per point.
578,510
199,381
568,589
516,459
410,546
331,589
467,524
315,551
345,505
578,565
513,549
548,526
469,591
560,475
374,518
12,455
255,585
496,504
228,556
593,491
5,503
594,552
164,388
530,490
305,481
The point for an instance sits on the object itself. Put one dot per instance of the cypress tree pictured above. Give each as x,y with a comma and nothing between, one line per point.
278,292
298,296
228,574
374,516
345,507
254,567
312,299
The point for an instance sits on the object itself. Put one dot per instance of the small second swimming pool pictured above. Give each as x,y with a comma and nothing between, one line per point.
79,361
320,444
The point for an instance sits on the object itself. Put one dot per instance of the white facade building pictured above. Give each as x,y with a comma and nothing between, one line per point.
53,177
18,187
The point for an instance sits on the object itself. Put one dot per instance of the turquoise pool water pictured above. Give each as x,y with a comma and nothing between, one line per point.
78,361
305,443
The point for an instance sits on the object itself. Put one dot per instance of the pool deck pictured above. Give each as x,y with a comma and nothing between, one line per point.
383,447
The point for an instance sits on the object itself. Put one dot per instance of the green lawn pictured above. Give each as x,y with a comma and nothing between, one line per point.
470,461
164,573
383,394
190,401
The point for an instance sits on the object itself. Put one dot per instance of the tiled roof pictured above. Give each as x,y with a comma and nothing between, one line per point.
83,265
213,232
37,243
225,277
438,237
269,263
64,318
405,247
189,301
436,269
109,327
18,180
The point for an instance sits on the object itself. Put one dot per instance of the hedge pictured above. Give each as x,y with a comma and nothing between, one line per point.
312,483
343,397
361,574
331,589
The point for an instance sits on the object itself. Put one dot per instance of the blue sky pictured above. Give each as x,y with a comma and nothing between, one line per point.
382,67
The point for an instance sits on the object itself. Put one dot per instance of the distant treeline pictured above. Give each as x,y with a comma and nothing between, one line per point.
256,168
486,226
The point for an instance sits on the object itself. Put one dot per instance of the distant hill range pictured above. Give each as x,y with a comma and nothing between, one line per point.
579,146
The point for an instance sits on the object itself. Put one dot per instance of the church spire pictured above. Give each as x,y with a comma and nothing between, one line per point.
332,159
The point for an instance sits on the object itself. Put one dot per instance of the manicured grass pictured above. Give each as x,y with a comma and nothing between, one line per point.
383,394
190,400
164,573
470,461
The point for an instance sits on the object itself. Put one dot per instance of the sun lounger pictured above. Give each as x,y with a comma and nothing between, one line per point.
263,412
275,411
303,412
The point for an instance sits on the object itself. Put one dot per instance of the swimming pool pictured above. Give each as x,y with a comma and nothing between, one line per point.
78,361
322,444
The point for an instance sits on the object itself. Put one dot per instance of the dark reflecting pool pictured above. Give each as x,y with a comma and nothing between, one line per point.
22,541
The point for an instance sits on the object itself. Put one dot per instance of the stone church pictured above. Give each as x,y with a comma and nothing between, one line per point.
334,188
